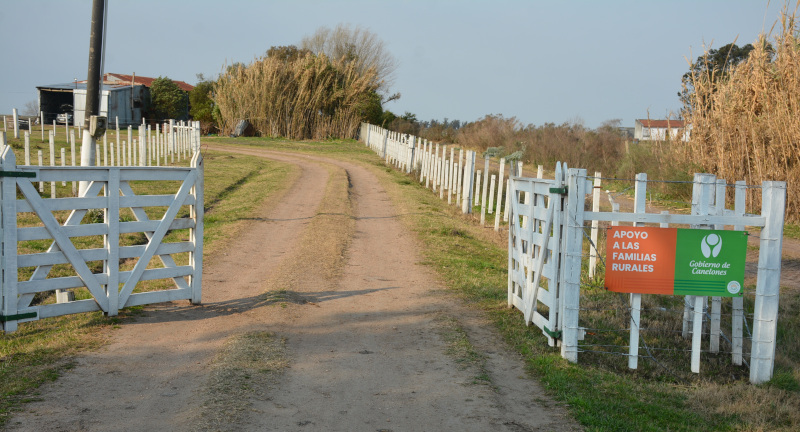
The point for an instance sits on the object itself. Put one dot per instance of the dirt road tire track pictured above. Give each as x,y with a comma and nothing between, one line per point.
363,347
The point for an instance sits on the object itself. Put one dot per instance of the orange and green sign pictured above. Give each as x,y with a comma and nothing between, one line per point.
675,261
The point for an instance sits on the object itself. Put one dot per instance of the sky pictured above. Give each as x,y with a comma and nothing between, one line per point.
539,61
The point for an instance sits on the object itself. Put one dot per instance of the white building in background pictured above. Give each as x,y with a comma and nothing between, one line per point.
661,130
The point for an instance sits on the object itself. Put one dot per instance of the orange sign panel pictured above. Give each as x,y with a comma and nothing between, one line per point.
641,259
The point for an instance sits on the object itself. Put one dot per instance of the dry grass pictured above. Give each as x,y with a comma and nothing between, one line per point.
247,364
312,97
746,126
759,408
602,149
325,241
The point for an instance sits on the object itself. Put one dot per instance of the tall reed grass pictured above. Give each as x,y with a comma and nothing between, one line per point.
746,125
311,97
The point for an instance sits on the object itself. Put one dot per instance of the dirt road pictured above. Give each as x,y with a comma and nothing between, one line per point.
318,317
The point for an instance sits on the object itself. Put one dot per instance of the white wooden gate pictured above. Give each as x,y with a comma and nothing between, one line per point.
544,245
109,190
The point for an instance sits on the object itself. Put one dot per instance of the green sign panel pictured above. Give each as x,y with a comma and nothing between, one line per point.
710,262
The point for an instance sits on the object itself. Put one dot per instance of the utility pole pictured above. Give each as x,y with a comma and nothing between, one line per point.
93,125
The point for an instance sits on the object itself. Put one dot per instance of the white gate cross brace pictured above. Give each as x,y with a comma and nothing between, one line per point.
157,236
64,242
141,216
74,218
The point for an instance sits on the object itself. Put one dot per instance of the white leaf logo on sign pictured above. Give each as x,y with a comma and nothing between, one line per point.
711,245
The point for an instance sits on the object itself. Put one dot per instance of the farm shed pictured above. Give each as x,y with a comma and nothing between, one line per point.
125,97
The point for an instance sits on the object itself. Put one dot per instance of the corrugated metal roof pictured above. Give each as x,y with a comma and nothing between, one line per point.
79,86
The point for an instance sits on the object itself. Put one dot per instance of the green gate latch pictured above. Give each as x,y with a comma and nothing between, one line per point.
561,190
552,334
26,315
17,174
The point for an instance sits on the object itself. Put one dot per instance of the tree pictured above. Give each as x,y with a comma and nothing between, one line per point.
31,108
287,53
388,118
711,67
369,108
167,100
358,45
201,104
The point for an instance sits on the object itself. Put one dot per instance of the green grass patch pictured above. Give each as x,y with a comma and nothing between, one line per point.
461,350
791,230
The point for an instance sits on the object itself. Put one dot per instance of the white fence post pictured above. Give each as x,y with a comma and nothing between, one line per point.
716,302
72,160
705,186
640,206
52,163
593,248
8,217
468,186
111,191
500,189
411,154
485,188
737,312
765,315
492,186
443,176
459,175
196,234
477,192
16,123
451,175
573,242
40,156
27,149
385,143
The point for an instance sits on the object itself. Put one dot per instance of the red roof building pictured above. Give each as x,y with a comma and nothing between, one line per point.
661,130
115,79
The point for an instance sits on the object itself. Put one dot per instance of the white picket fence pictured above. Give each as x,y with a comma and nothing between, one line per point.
109,190
456,178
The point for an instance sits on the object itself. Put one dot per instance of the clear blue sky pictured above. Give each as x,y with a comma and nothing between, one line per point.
540,61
